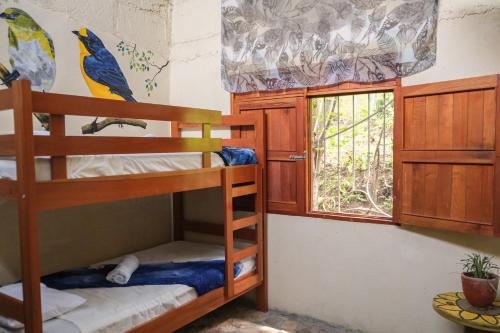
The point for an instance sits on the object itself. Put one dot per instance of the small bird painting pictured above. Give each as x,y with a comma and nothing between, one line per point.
100,69
31,50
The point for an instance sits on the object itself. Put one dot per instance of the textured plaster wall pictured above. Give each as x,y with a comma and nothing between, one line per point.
81,236
380,279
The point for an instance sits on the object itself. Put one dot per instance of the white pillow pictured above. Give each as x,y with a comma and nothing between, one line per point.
55,303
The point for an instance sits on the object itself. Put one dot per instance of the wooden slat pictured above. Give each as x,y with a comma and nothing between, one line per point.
458,199
244,190
246,284
84,145
217,230
445,122
239,120
451,156
7,188
460,119
489,119
441,224
243,174
88,106
7,145
206,160
475,123
246,252
86,191
11,308
5,99
242,143
58,168
433,119
175,319
179,317
245,222
477,83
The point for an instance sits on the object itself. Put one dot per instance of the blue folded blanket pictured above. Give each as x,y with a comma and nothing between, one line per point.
237,156
203,276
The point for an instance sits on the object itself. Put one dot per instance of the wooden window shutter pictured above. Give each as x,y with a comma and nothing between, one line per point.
285,116
446,164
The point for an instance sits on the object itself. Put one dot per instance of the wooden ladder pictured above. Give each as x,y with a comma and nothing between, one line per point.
231,225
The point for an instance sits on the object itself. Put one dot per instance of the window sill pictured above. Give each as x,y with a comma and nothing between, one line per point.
340,217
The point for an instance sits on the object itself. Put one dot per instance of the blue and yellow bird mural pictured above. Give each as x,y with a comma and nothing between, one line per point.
100,69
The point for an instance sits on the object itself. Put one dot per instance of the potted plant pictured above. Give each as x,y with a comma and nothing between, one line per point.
478,282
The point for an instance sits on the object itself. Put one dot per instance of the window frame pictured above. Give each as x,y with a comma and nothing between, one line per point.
261,99
349,89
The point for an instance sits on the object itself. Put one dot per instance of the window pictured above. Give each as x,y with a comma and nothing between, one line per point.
352,154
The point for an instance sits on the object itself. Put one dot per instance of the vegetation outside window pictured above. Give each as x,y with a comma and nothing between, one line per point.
352,154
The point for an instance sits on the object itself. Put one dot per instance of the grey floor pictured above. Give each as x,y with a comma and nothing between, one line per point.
239,316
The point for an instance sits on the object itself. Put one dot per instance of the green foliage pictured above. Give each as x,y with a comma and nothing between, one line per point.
352,148
479,266
141,61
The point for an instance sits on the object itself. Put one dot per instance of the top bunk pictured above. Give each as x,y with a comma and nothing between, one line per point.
63,189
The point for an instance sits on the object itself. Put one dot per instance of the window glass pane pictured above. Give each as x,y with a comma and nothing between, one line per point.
352,154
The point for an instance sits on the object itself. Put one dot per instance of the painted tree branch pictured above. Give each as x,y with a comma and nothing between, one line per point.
95,126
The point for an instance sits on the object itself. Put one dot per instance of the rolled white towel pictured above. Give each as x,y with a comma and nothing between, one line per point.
124,270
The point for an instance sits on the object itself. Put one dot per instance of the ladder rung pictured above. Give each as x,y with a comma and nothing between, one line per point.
11,307
244,190
245,253
245,222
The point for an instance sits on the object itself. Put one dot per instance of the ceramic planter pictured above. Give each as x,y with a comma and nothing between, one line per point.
480,292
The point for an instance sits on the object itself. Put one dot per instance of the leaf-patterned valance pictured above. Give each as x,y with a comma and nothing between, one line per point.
277,44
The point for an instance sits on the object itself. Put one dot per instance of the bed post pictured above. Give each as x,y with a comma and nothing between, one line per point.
28,224
227,187
261,208
177,198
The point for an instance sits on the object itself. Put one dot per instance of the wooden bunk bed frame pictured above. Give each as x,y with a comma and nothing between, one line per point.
35,196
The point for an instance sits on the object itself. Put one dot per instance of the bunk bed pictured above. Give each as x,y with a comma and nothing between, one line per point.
62,190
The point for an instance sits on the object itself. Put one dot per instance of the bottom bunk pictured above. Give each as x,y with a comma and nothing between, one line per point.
135,308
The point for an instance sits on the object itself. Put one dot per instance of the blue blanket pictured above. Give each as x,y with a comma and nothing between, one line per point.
238,156
203,276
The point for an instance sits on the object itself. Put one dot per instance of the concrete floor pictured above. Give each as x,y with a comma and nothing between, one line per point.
239,316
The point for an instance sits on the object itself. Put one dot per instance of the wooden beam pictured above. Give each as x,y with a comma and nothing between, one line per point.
242,143
227,186
5,99
476,83
243,174
246,252
217,230
99,145
26,204
240,191
11,308
246,284
92,107
245,222
86,191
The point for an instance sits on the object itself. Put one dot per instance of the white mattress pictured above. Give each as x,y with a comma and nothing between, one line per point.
114,165
113,310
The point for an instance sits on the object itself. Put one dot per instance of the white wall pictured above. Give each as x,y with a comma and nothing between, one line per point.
380,279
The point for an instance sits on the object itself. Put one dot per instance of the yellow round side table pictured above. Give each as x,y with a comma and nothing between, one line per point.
453,306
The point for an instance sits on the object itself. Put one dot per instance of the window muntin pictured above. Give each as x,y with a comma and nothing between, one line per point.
352,154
